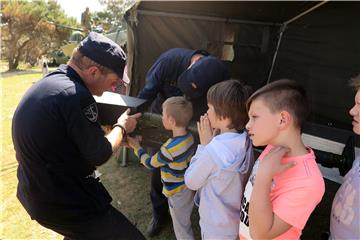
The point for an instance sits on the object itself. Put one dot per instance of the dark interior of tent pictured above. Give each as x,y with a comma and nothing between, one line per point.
314,43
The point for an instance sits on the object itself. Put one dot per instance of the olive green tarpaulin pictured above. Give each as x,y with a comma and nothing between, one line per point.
315,43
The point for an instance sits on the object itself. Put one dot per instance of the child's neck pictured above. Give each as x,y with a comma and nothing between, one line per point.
179,131
223,124
225,130
294,143
298,150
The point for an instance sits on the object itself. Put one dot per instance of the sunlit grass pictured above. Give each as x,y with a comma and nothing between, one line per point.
129,186
15,223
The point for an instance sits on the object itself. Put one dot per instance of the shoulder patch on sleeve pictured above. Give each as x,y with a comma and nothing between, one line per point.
91,112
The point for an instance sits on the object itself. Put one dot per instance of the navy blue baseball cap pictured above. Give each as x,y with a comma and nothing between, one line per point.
104,51
203,74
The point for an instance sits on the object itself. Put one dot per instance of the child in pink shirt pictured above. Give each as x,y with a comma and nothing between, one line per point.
285,184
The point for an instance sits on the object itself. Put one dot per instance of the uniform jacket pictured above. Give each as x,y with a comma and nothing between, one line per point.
161,79
58,143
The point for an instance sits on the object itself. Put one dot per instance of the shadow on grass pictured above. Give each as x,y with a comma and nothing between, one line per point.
23,72
130,189
129,186
20,72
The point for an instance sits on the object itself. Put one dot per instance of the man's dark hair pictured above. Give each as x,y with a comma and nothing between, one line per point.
355,82
229,101
283,95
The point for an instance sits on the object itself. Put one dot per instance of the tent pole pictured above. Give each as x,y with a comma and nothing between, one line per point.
305,12
206,18
282,30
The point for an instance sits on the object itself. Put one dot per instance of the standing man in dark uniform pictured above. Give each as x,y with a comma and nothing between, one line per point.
178,72
59,142
86,20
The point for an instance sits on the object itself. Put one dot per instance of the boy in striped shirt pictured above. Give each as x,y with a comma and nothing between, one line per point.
173,159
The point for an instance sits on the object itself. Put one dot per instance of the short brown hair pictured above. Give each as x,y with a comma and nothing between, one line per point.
180,109
229,101
355,82
285,95
83,62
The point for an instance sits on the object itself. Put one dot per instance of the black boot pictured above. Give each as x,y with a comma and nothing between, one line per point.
154,227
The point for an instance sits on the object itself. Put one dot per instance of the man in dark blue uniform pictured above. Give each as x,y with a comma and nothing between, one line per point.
59,142
178,72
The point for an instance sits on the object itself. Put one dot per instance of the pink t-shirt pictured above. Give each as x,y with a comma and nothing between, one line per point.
294,194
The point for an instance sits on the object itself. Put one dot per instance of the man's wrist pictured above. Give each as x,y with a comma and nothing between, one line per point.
122,128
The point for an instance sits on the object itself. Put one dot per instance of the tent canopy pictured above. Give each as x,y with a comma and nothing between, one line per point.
314,43
270,12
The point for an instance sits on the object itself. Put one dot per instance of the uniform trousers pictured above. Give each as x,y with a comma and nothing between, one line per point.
112,225
158,200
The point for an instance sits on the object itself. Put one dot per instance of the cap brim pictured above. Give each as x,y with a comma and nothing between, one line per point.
203,73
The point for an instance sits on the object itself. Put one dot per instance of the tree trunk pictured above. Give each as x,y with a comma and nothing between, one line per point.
15,55
13,64
11,48
13,61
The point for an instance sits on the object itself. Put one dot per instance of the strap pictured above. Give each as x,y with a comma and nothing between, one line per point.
122,128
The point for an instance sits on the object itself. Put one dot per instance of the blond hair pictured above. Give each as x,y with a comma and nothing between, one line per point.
180,109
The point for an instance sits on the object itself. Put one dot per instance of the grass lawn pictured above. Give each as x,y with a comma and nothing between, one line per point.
129,186
15,222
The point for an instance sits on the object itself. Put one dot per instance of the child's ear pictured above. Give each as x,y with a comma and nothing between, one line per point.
172,120
285,119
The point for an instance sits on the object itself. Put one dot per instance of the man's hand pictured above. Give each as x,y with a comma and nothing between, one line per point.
206,133
128,121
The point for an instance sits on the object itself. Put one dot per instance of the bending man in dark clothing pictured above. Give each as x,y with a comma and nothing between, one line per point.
59,142
178,72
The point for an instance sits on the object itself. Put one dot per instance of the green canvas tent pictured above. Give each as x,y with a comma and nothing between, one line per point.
315,43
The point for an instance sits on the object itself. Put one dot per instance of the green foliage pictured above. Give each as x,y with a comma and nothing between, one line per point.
31,29
112,16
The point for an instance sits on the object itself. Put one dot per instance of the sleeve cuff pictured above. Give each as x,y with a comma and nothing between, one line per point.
139,151
200,147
